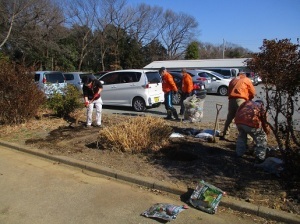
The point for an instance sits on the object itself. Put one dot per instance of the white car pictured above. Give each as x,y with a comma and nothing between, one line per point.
137,88
216,83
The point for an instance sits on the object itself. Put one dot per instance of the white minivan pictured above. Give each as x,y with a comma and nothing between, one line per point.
136,88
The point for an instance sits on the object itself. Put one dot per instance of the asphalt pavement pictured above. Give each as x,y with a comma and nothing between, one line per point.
36,187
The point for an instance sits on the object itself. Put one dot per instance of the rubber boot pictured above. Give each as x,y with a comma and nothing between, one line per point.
175,115
169,115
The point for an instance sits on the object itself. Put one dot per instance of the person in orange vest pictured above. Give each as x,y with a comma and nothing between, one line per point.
186,89
251,119
240,89
168,85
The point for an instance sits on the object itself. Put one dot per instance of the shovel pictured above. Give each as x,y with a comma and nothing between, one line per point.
218,107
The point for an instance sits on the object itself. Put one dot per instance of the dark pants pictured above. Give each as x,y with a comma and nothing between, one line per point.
183,97
169,107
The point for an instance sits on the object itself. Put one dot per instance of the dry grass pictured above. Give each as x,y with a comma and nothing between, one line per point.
136,134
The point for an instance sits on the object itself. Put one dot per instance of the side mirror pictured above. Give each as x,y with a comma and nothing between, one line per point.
102,82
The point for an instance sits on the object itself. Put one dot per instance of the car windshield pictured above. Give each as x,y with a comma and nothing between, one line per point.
153,77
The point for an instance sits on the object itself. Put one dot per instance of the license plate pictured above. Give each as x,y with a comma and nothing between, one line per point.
156,99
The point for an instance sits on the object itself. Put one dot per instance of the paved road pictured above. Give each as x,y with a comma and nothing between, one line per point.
34,191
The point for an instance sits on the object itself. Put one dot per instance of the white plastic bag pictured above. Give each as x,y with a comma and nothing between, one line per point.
193,109
164,211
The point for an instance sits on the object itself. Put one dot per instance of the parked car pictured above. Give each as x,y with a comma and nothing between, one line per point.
100,74
50,82
194,74
227,72
199,88
218,83
75,78
254,78
137,88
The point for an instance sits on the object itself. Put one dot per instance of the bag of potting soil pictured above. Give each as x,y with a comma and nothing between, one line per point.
206,197
164,211
193,111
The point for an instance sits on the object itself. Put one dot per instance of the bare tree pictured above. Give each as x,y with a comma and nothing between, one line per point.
117,17
10,11
82,15
178,31
35,32
146,25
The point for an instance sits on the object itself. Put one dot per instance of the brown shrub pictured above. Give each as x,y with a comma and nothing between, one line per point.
20,98
136,134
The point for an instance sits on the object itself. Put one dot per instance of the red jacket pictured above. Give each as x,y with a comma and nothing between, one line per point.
253,115
168,83
241,87
187,83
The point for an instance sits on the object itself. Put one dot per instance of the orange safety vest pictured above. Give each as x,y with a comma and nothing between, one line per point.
187,83
168,83
241,87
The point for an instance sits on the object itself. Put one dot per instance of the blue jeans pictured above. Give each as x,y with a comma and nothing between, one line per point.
168,105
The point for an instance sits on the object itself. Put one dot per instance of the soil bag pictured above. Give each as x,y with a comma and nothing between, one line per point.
164,211
206,197
193,111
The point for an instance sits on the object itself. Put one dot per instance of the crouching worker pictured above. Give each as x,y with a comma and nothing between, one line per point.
251,119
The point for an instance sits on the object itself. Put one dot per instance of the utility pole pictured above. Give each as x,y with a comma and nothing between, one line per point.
223,48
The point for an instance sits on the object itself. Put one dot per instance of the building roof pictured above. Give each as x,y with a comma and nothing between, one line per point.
207,63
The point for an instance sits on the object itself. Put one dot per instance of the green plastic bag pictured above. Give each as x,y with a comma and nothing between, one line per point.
206,197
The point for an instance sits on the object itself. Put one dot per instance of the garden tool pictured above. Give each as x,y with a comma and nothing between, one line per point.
218,107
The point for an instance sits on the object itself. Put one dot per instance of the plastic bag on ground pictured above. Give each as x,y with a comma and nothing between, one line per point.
209,131
193,111
206,197
164,211
204,136
272,165
176,135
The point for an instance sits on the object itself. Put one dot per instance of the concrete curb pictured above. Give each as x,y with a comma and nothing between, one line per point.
227,201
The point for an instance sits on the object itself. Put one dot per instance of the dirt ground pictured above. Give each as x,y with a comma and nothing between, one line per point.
184,161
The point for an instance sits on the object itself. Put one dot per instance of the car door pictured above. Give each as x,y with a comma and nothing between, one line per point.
207,79
129,87
109,94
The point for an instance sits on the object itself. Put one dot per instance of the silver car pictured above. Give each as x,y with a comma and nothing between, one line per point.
75,78
214,82
50,82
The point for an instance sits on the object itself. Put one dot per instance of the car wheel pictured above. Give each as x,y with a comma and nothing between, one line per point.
255,82
223,90
138,104
176,98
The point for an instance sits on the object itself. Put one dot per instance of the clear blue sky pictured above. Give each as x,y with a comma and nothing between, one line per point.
242,22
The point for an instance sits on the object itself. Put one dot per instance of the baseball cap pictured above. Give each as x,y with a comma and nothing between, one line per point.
161,69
